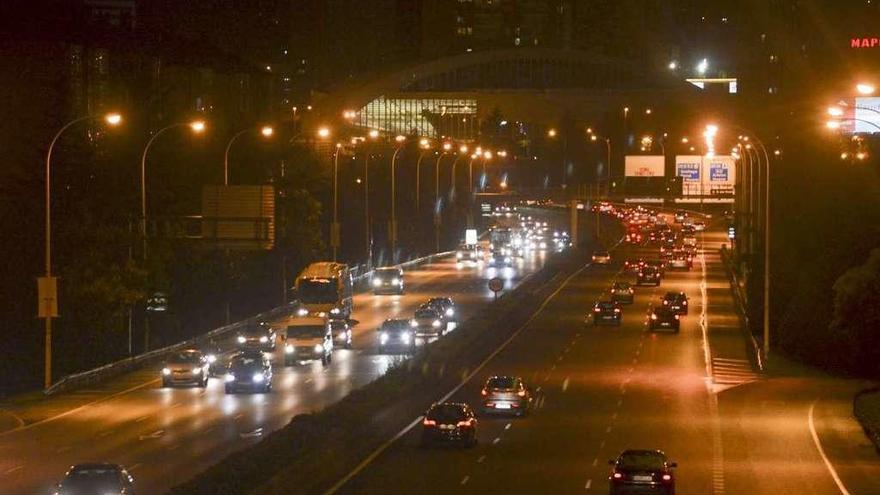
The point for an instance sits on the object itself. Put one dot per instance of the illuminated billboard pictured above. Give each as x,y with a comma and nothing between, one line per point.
645,166
690,169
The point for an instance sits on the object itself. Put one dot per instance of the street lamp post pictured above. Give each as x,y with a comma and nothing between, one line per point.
48,293
336,231
437,216
265,131
393,227
368,234
425,145
462,153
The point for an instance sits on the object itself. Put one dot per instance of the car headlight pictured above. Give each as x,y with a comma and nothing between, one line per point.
450,311
383,337
507,259
258,377
302,312
288,349
376,282
413,323
405,336
458,255
197,370
241,339
166,371
211,358
319,348
395,281
229,377
543,245
334,311
435,323
264,339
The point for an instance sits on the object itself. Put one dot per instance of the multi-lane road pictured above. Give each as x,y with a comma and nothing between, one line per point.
165,436
604,389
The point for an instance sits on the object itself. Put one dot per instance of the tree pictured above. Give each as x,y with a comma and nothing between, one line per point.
856,323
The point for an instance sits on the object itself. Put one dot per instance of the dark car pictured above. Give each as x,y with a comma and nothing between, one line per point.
96,479
606,312
189,367
387,280
659,264
249,371
449,422
445,305
500,260
396,334
258,336
648,275
641,471
663,317
622,292
680,215
633,265
677,302
507,395
342,333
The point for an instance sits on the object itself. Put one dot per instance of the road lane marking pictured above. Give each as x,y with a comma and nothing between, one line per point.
418,420
135,466
465,480
495,442
155,434
251,434
595,462
588,485
827,462
507,426
481,459
608,430
174,447
238,416
565,384
602,445
12,470
141,419
105,433
62,449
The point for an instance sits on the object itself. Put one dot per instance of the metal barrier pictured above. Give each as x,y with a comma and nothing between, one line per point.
129,364
739,298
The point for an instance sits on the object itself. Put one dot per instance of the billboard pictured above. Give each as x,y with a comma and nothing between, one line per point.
690,169
719,175
238,217
867,115
645,166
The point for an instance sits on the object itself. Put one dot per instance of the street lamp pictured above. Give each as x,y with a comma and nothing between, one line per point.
323,132
393,227
47,285
703,66
197,127
865,88
425,146
447,147
265,131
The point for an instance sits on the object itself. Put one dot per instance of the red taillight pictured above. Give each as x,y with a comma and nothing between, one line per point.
521,393
665,302
484,392
677,317
617,476
684,303
597,310
464,423
429,422
653,317
667,477
617,310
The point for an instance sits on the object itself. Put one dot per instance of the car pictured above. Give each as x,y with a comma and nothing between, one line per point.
249,370
507,395
387,280
342,334
445,305
449,422
677,302
188,367
467,254
663,317
681,261
622,292
601,258
396,334
688,229
499,259
606,312
308,339
699,226
680,215
648,275
634,237
101,478
428,321
259,336
633,265
214,356
641,471
659,265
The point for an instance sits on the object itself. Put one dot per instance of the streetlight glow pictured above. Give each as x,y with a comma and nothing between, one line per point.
447,146
551,132
424,143
400,138
267,131
593,137
703,66
865,88
374,134
673,65
113,118
833,124
487,155
684,140
835,111
197,126
463,149
324,132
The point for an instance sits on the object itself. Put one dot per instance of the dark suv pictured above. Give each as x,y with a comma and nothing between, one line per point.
449,422
648,275
663,317
641,471
250,371
606,312
259,336
103,478
397,335
677,302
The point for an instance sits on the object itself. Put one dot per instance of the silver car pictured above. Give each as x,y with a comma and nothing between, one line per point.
187,367
428,321
506,395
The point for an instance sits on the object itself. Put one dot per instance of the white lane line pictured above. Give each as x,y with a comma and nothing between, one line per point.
142,418
595,462
105,433
12,470
565,384
495,442
827,462
481,459
507,426
602,445
62,449
588,485
79,408
465,480
238,416
608,430
135,466
174,447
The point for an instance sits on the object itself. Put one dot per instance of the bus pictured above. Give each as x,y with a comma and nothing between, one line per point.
324,289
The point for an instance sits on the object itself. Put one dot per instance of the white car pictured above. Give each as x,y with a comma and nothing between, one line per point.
699,225
601,258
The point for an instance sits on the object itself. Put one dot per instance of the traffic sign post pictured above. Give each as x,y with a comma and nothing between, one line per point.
495,285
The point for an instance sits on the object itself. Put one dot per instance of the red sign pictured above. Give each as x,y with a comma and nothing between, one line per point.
872,42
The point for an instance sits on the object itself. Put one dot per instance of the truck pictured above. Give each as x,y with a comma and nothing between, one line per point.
324,289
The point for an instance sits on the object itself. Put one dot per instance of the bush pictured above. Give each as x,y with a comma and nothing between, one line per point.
856,323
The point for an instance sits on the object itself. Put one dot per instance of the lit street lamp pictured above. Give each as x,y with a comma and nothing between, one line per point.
447,147
425,146
865,88
47,285
265,131
401,140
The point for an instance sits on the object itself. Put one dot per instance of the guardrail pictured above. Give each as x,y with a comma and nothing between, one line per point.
129,364
740,300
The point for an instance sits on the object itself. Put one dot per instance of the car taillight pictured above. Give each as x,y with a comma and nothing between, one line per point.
597,310
617,310
617,475
665,302
667,477
464,423
676,317
484,392
684,303
521,393
429,422
653,317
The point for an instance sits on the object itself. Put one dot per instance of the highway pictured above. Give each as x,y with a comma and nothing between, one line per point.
165,436
605,389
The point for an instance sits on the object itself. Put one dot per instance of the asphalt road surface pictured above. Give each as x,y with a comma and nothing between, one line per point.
165,436
605,389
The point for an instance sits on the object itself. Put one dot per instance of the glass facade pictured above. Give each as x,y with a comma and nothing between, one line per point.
454,118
